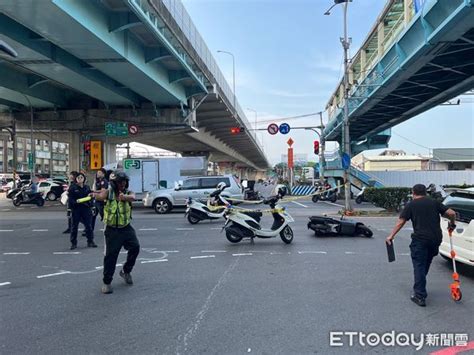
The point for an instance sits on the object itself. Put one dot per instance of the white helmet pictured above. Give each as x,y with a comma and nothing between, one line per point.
221,186
280,189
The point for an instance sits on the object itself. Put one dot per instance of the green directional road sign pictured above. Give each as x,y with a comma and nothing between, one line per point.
31,161
116,129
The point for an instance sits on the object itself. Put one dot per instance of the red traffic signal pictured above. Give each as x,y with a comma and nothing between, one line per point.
87,146
237,130
316,147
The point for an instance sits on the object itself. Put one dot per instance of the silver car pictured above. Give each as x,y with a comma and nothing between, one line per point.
199,187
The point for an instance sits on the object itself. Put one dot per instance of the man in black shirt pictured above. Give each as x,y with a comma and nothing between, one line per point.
424,213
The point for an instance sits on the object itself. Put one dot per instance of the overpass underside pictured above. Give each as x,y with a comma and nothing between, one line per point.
429,62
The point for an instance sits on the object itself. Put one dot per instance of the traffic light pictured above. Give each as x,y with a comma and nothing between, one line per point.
87,146
237,130
316,147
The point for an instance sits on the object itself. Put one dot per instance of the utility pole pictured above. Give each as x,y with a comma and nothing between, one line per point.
322,159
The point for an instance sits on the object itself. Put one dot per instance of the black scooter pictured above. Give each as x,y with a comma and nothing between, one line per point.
33,199
330,195
327,226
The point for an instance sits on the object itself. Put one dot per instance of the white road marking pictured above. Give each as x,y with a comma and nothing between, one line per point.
153,261
202,257
148,229
213,251
39,230
184,229
6,230
101,267
55,274
66,252
20,208
258,251
19,253
349,252
312,252
299,204
167,251
242,254
276,253
249,350
405,254
123,252
6,209
334,204
5,283
216,229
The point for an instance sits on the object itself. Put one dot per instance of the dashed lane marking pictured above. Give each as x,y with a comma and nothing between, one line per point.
202,257
18,253
184,229
148,229
299,204
213,251
6,230
55,274
40,230
101,267
216,229
66,252
312,252
349,252
242,254
5,283
153,261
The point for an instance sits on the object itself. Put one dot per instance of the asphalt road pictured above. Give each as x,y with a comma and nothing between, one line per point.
197,293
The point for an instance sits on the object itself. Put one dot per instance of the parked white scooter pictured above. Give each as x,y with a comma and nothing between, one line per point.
241,225
197,211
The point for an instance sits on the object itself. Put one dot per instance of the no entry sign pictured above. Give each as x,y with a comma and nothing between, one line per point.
273,128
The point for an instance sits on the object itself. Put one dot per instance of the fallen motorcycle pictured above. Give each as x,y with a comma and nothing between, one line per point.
327,226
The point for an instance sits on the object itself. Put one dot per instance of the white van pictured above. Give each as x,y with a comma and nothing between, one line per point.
461,201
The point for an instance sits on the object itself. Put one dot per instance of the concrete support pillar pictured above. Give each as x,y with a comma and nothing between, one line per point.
74,151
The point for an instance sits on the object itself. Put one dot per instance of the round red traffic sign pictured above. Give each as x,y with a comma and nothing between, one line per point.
133,129
272,128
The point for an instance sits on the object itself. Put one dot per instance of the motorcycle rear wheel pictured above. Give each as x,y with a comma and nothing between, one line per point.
17,202
315,198
40,202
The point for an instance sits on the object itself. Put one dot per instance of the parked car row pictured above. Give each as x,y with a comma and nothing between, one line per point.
50,188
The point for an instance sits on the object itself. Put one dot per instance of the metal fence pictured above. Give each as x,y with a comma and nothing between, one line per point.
410,178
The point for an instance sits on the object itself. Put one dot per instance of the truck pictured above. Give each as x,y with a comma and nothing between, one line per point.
162,173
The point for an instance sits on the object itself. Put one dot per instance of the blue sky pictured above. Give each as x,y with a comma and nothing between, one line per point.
289,61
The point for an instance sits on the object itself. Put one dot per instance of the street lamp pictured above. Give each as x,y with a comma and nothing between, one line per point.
346,42
254,111
233,76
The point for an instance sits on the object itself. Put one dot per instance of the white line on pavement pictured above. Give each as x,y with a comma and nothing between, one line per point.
276,253
213,251
148,229
349,252
312,252
6,209
55,274
405,254
6,230
202,257
5,283
20,208
66,252
39,230
334,204
300,204
101,267
19,253
167,251
184,229
242,254
216,229
153,261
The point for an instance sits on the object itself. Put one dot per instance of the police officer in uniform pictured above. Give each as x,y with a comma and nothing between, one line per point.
81,211
118,231
100,184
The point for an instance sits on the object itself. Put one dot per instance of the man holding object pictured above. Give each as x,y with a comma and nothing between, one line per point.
118,231
424,213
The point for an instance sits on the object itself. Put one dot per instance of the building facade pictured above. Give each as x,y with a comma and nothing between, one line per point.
51,157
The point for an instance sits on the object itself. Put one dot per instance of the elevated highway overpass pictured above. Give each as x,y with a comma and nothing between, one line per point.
412,60
81,64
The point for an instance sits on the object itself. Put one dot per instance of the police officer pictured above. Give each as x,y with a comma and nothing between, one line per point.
81,211
100,184
424,212
72,180
118,231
